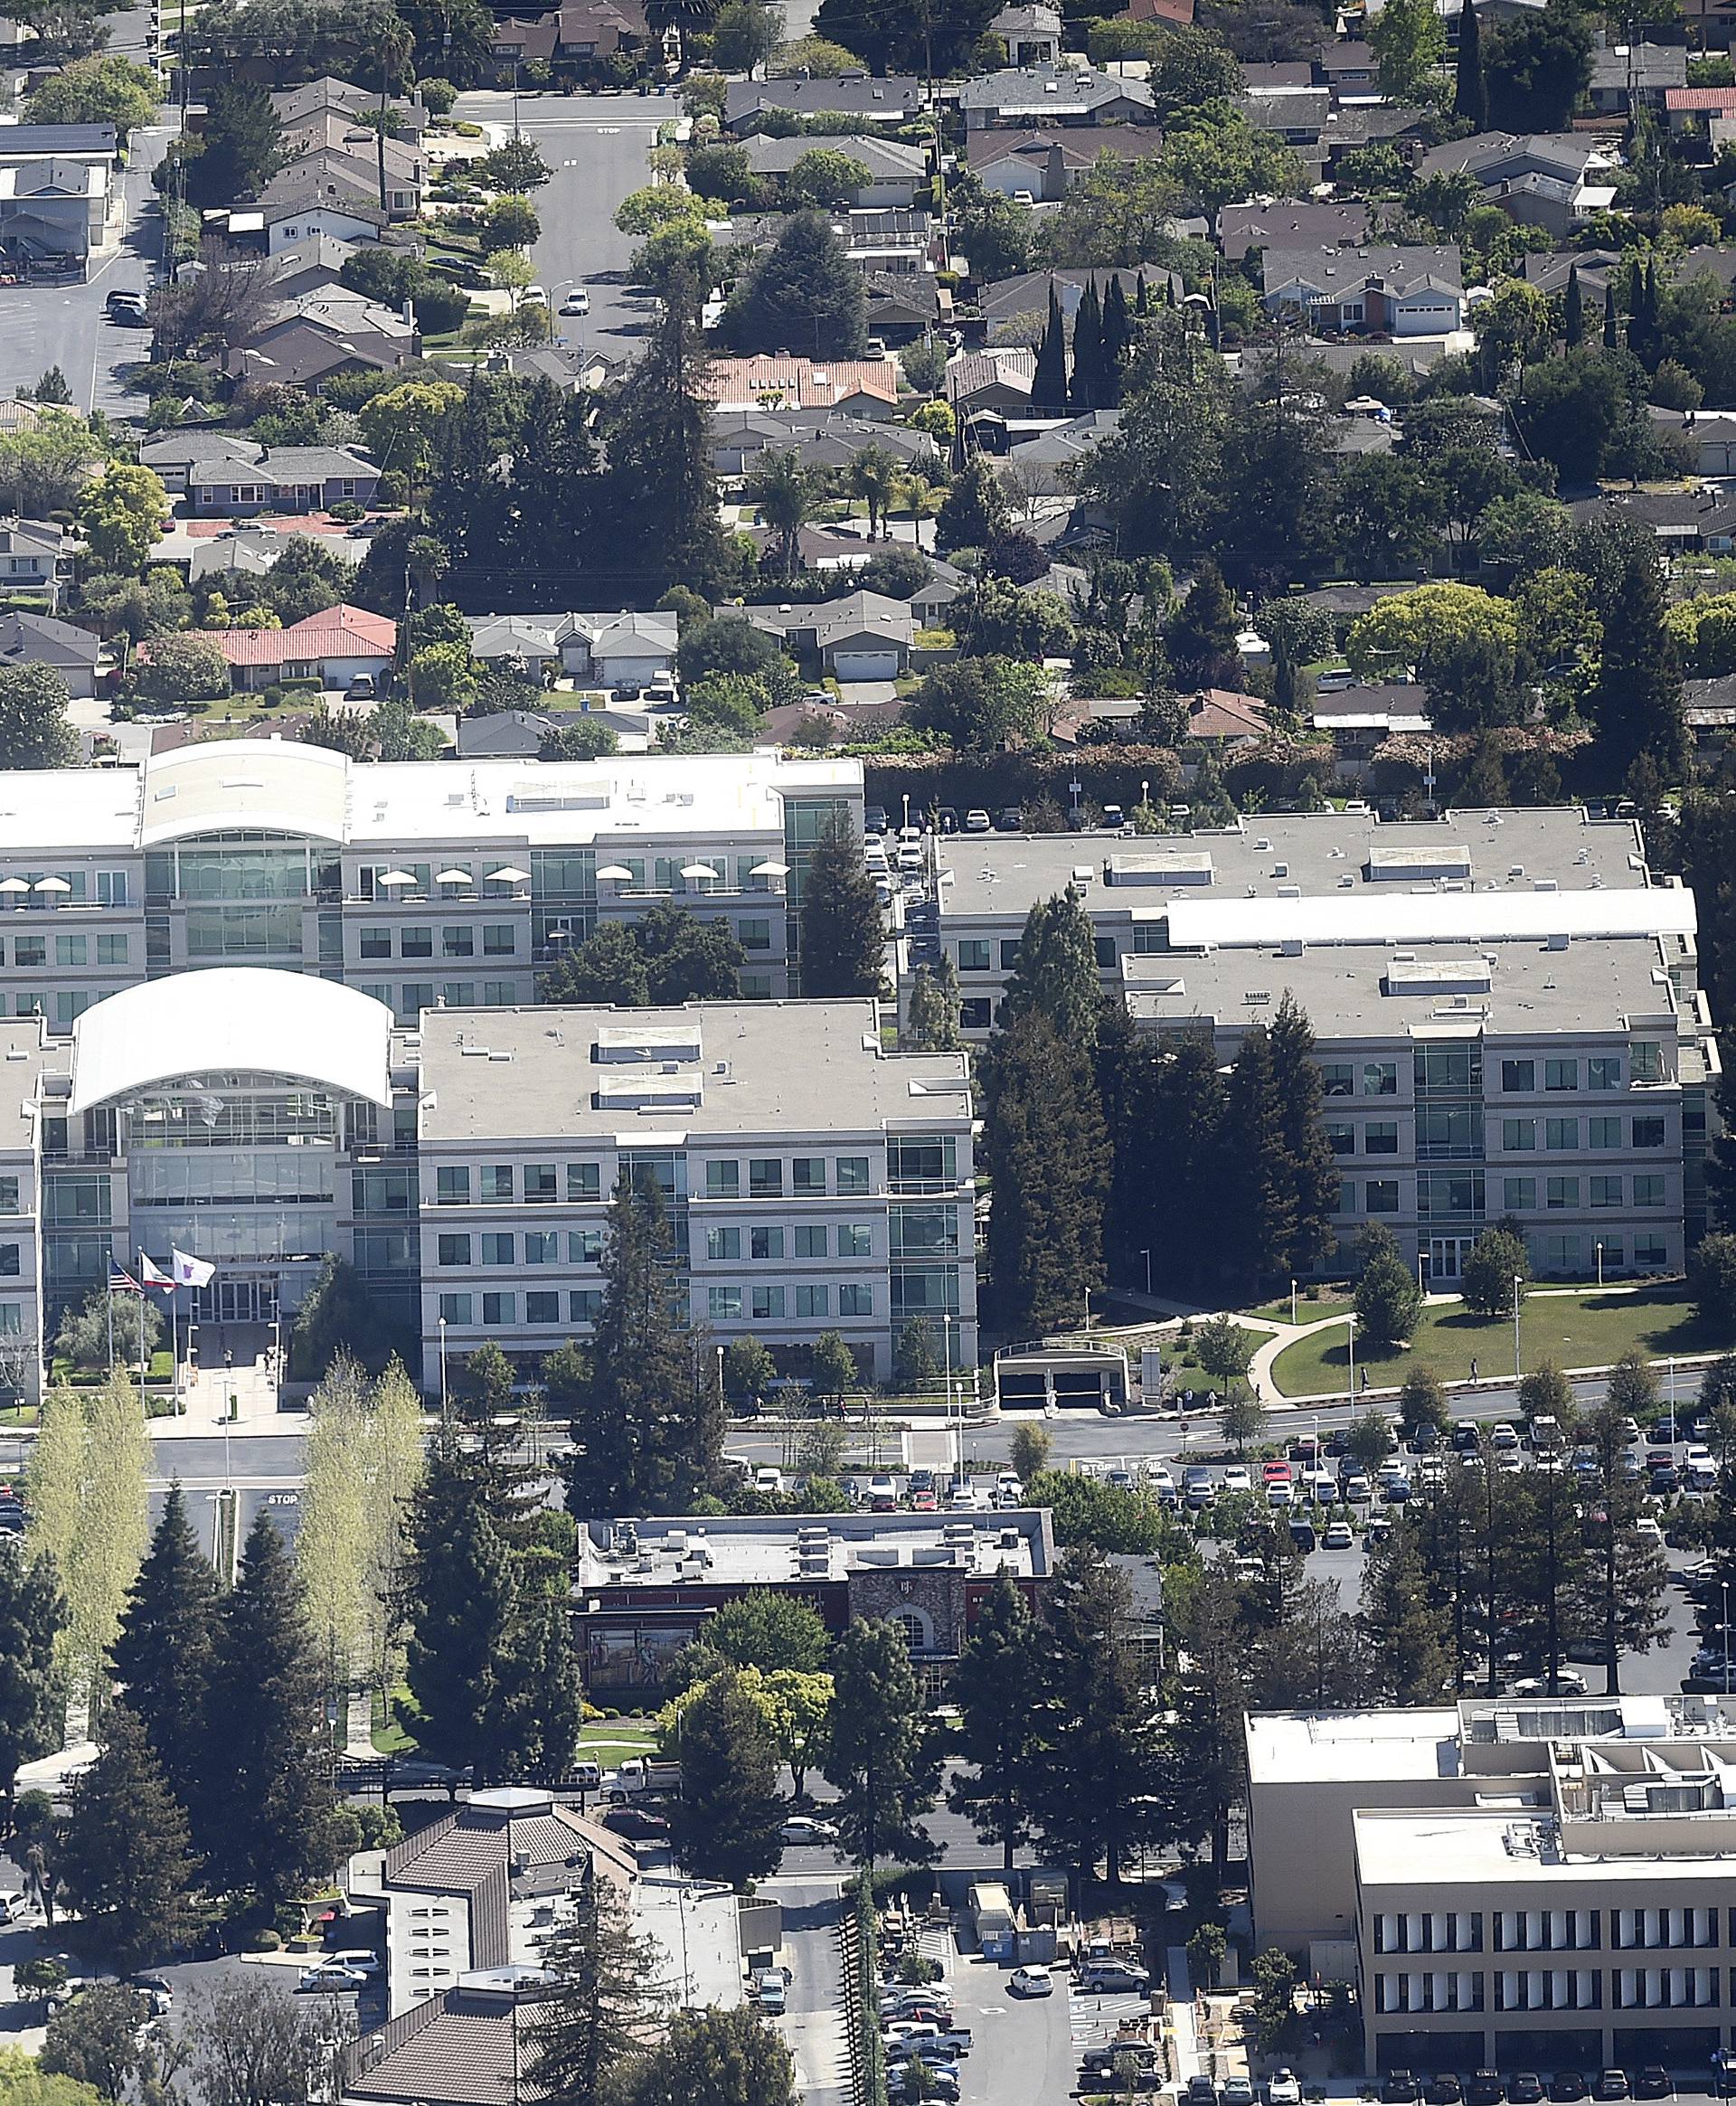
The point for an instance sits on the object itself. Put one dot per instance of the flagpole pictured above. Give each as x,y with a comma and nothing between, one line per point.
111,1313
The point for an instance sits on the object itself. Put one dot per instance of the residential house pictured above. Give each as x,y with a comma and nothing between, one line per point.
997,380
593,30
339,311
568,365
347,174
821,439
1549,180
298,106
1179,12
1367,121
618,650
1710,432
1044,163
899,307
1032,34
518,734
1627,76
33,559
864,387
1289,224
1377,291
931,602
1012,299
303,354
891,101
1360,718
896,172
233,559
1348,63
37,639
1225,720
884,241
1067,95
330,139
525,642
1719,264
95,144
1685,522
864,635
52,209
1549,270
1044,465
294,214
333,646
1709,710
1689,109
314,264
515,44
250,478
1296,115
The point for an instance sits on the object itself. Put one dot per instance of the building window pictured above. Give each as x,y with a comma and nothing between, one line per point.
1518,1135
765,1243
30,951
1346,1197
976,1014
457,944
71,950
1381,1195
1336,1077
497,1248
499,993
1614,1252
854,1240
1561,1075
1647,1057
1562,1192
973,955
584,1246
1603,1071
374,942
418,995
1650,1252
808,1175
542,1307
1103,950
459,994
1648,1189
918,1633
540,1183
455,1308
111,950
499,1311
453,1250
498,1181
1380,1079
765,1178
767,1303
498,941
1648,1133
810,1239
1606,1190
542,1247
9,1197
724,1304
1519,1195
722,1180
722,1244
1561,1133
813,1301
1518,1075
755,935
1604,1133
1380,1138
584,1305
416,943
11,1263
452,1186
853,1174
584,1181
1341,1137
855,1299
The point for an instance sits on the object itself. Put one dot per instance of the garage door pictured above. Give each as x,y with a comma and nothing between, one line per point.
865,665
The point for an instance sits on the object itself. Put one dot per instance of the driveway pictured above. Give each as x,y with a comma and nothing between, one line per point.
814,2024
1022,2050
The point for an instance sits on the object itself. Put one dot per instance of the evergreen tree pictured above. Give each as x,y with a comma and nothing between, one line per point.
1573,311
843,935
1487,1280
1625,1575
1087,392
1092,1773
1047,1152
1200,1772
997,1685
879,1756
934,1008
713,2057
1310,1163
648,1431
467,498
32,1614
458,1602
1637,700
487,1423
661,503
536,1722
804,297
553,485
1405,1631
1049,383
1259,1193
1117,344
611,1992
124,1861
1388,1298
1470,95
726,1822
161,1658
1056,974
1611,333
271,1803
1202,633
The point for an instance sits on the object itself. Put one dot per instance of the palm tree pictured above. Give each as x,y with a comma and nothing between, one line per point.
787,496
873,476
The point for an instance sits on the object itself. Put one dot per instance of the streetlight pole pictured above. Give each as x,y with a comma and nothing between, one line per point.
1518,1282
1292,1305
443,1367
1599,1263
1147,1256
1352,1323
1724,1590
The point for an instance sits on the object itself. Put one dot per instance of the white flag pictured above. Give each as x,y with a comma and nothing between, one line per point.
153,1276
190,1271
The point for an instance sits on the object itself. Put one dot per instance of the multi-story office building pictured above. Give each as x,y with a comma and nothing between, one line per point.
261,1119
422,883
1510,1885
1507,1008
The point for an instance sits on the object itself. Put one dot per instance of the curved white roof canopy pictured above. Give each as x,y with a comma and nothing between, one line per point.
233,1020
217,785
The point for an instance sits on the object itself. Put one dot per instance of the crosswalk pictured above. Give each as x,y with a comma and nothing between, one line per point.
1096,2020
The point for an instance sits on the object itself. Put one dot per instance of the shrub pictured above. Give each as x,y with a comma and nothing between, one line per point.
1712,1279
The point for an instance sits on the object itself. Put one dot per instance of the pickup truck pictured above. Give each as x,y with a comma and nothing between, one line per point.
637,1776
905,2037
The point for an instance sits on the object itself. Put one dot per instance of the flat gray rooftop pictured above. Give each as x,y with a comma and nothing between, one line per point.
1276,855
779,1070
753,1550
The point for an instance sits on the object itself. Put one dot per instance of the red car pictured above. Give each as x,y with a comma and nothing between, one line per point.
1275,1473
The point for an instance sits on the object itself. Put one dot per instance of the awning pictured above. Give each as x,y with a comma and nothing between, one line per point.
509,876
770,870
395,877
453,878
697,870
618,871
52,885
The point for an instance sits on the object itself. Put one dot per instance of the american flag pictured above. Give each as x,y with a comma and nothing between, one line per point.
121,1282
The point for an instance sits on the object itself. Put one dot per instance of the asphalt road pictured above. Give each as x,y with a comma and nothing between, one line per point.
597,147
813,2025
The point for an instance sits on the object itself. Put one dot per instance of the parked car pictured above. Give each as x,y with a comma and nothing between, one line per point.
1400,2088
1568,2085
635,1826
805,1828
1031,1981
772,1991
326,1978
577,302
1487,2088
1283,2089
1653,2081
1525,2088
977,820
1009,819
1108,1977
14,1908
1340,1535
1236,2091
1612,2085
1444,2090
767,1477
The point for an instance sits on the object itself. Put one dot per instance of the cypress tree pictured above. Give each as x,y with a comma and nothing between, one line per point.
124,1860
1611,335
1049,383
542,1708
1087,391
271,1802
1470,93
997,1687
1261,1194
1573,312
1309,1164
163,1657
843,936
1638,701
727,1820
1055,975
1118,334
458,1600
1141,296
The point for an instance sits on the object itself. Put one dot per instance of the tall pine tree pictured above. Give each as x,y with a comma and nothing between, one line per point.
272,1800
126,1862
1049,383
32,1614
1310,1163
726,1823
163,1658
1637,701
1259,1195
458,1600
843,936
1117,344
1611,328
1087,391
1056,974
1470,95
997,1687
1573,311
879,1756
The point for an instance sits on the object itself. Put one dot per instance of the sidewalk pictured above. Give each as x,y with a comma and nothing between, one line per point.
208,1394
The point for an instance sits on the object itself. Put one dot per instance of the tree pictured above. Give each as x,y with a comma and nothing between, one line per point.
904,37
1470,96
103,89
787,494
770,1633
843,936
1495,1258
1309,1164
647,1432
271,1801
974,510
95,2038
612,1992
126,1862
1637,700
121,516
242,146
509,222
1411,629
39,1980
32,1614
1202,634
1410,45
725,1824
1056,974
825,178
162,1657
1049,384
744,35
1712,1281
105,1325
1404,1626
1243,1418
805,295
1046,1149
1030,1450
872,476
255,2044
1422,1402
997,1687
1368,1440
1389,1299
1260,1190
833,1366
460,1597
1096,1720
879,1757
750,1369
712,2057
1537,69
1573,311
982,704
182,672
1200,1765
933,1009
1225,1350
33,727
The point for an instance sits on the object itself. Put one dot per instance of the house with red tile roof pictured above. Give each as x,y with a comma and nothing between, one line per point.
331,647
866,387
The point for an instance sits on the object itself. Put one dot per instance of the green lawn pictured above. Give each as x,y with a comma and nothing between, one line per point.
610,1740
62,1375
1306,1311
391,1729
1587,1328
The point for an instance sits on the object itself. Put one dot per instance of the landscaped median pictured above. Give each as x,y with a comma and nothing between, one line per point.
1583,1328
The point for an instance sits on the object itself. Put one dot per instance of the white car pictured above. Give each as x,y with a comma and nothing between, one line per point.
1339,1535
1283,2089
1648,1531
358,1958
1236,1478
577,302
768,1478
1280,1495
805,1828
1032,1981
1504,1439
334,1981
13,1907
533,296
1568,1682
1162,1480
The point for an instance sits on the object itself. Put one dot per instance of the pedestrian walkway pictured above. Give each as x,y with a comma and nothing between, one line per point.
358,1724
233,1383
